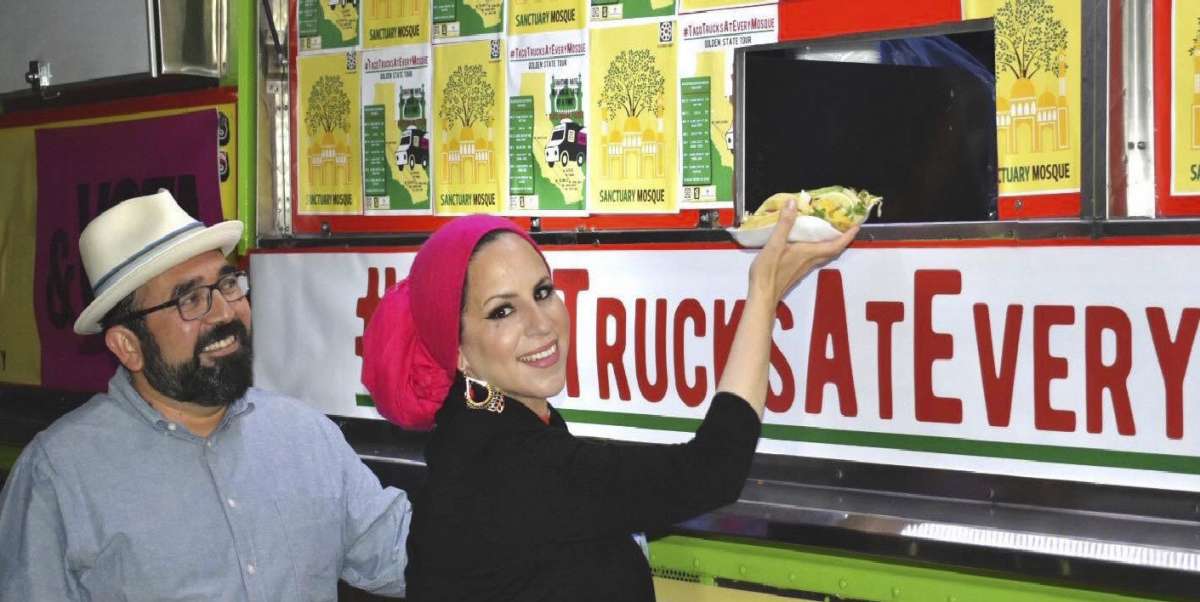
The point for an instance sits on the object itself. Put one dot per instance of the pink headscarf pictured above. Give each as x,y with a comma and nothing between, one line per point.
410,347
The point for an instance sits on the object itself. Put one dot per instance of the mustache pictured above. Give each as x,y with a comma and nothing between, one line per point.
233,328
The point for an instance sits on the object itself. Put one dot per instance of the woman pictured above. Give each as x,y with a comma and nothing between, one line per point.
516,508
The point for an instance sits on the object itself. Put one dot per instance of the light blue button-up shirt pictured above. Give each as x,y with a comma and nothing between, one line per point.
114,502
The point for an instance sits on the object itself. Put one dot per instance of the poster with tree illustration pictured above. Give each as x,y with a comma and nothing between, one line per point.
327,145
1038,61
547,137
467,19
706,98
395,22
469,124
327,24
632,119
397,141
1185,98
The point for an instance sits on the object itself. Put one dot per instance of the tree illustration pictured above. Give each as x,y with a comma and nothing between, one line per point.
468,97
1029,38
1195,49
633,84
328,107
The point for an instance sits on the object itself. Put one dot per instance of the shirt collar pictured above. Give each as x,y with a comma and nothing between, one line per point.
121,387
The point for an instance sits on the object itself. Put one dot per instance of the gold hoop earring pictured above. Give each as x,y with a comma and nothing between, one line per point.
494,402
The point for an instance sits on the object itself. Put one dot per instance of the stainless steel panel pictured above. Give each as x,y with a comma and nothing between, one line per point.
273,206
1137,56
192,36
81,41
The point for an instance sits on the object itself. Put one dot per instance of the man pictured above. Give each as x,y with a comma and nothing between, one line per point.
182,482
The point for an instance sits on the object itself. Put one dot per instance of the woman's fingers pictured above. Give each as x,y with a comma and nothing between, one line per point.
832,248
802,258
780,264
783,227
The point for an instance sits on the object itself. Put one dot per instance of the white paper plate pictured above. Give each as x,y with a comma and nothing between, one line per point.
806,229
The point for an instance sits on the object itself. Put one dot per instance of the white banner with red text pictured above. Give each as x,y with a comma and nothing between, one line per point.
1070,361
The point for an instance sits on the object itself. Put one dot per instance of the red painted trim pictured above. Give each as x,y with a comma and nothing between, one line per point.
670,246
211,96
800,19
1123,241
1038,206
1167,204
684,220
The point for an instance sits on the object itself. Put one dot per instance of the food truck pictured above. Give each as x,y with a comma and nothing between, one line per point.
988,396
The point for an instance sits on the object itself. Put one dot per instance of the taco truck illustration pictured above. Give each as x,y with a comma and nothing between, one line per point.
413,148
568,142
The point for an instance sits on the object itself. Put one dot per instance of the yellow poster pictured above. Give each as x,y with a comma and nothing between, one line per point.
395,22
469,119
633,118
327,24
1185,105
1038,63
547,140
327,145
20,349
540,16
227,158
466,18
395,126
706,94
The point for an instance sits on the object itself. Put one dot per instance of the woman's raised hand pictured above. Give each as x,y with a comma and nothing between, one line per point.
781,264
776,269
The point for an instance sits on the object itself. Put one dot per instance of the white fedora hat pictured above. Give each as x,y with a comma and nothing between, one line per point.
138,239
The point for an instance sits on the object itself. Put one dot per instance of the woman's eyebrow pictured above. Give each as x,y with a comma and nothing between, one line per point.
499,296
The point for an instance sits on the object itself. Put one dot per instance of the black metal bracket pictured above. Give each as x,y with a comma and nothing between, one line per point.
38,78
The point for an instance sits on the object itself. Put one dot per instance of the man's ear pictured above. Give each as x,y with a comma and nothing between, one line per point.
124,344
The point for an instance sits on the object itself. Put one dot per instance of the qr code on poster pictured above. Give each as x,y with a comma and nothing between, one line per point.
666,32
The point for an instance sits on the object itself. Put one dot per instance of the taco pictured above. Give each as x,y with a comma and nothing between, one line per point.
840,206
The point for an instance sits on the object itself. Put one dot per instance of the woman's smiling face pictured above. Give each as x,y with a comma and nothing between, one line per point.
515,328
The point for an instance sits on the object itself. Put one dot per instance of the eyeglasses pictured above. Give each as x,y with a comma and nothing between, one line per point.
197,302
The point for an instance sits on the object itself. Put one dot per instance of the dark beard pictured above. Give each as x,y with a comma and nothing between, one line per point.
217,385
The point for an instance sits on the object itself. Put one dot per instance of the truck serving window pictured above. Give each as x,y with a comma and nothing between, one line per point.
912,119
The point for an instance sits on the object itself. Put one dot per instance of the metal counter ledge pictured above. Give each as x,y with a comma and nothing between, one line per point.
1124,540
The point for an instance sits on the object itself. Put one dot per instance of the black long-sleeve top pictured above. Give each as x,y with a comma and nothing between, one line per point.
516,509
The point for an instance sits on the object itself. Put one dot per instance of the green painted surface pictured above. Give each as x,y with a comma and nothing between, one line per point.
8,456
244,51
944,445
842,576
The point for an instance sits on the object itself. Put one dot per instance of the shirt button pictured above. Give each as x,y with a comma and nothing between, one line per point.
171,426
250,569
232,504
